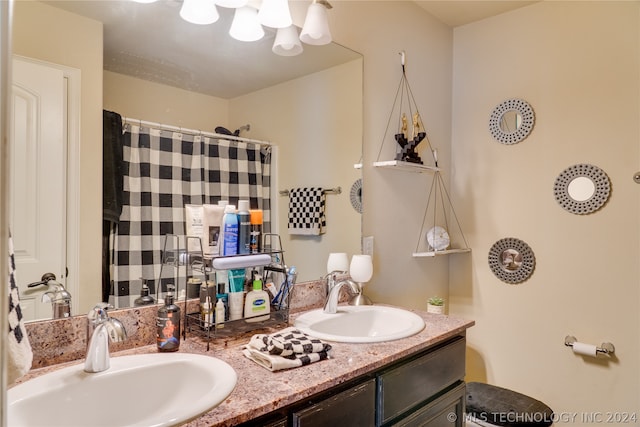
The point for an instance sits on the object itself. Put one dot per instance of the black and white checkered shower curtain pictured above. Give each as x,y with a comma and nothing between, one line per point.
164,171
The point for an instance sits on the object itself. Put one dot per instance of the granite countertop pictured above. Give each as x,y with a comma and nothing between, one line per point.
260,391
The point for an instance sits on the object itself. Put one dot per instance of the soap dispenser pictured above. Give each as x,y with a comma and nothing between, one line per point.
145,298
168,324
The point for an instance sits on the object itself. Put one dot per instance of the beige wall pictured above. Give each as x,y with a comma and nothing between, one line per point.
50,34
144,100
316,121
577,64
394,202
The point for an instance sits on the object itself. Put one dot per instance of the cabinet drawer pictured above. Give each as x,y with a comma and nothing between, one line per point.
445,411
413,383
354,407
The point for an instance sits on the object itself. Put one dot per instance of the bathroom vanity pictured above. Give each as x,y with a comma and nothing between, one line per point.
426,389
418,380
411,381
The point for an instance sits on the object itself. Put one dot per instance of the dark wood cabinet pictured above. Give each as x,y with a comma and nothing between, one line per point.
425,389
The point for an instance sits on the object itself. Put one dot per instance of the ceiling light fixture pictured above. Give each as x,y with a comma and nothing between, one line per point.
201,12
315,30
245,25
275,14
287,42
248,21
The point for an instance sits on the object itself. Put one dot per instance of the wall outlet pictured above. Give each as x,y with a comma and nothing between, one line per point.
367,245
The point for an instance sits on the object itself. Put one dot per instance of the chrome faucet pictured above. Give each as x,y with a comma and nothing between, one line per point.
331,279
101,328
56,294
331,305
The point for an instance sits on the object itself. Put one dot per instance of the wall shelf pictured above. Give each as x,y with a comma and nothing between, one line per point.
405,166
438,200
436,253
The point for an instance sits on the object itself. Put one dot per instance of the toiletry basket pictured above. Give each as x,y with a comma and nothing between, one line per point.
195,264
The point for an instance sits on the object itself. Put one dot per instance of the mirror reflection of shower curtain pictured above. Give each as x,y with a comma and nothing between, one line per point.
165,170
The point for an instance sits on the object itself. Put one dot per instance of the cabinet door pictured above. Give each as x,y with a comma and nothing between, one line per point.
445,411
354,407
402,388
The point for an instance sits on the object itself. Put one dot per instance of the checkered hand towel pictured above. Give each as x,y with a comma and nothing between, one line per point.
20,355
286,349
306,211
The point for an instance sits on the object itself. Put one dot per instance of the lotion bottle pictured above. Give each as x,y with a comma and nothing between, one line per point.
256,304
220,314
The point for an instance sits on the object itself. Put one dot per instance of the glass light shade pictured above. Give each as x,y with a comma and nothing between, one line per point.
315,30
275,14
232,4
145,1
361,268
337,261
245,26
201,12
287,42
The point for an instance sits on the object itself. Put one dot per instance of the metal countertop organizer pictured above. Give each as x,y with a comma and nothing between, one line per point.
194,264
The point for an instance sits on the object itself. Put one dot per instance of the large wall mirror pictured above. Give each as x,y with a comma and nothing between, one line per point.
309,106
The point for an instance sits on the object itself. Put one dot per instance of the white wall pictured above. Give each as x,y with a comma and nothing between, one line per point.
577,64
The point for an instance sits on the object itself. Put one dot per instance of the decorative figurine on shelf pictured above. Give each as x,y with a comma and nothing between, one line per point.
405,106
408,148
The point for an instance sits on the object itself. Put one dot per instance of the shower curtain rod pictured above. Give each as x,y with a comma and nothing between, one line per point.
192,131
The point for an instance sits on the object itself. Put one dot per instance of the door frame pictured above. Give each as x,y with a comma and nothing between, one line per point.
72,78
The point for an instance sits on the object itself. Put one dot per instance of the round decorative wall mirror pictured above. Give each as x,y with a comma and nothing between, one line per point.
511,121
582,189
356,195
511,260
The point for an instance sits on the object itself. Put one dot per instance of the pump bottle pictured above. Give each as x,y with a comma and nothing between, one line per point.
168,325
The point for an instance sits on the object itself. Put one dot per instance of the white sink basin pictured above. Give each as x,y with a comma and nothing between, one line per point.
142,390
360,324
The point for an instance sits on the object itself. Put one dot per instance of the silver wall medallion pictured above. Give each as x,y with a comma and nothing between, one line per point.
511,260
356,195
511,121
582,189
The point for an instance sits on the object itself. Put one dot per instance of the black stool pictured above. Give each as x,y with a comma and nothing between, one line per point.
501,407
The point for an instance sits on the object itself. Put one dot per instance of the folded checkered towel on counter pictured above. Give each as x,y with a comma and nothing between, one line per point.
286,349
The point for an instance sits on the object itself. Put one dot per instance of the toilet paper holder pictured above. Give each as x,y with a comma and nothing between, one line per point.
605,348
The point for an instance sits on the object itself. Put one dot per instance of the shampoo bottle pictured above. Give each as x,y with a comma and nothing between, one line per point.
244,227
168,325
256,304
230,231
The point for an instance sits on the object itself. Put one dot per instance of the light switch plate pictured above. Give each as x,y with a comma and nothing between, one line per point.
367,245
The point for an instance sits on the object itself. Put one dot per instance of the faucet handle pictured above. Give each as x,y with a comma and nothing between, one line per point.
99,312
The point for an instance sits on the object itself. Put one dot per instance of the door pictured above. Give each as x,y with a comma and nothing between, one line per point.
38,180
